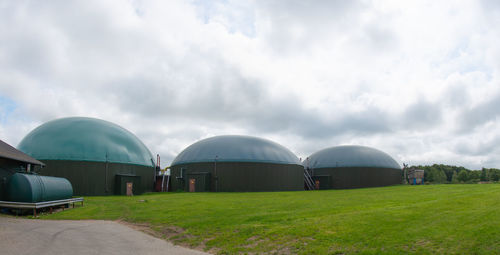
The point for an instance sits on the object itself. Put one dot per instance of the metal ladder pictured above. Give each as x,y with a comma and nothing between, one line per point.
308,180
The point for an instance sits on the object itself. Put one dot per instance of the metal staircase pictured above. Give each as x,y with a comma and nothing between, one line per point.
308,180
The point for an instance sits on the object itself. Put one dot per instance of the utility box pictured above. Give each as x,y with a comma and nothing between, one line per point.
416,176
127,184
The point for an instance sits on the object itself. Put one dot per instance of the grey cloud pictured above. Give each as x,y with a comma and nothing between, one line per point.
371,121
422,115
238,16
486,147
173,83
377,39
296,24
480,114
311,124
457,96
226,98
490,5
481,149
223,95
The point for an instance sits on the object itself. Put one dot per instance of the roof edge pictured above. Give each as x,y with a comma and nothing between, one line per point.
235,161
324,167
10,152
100,161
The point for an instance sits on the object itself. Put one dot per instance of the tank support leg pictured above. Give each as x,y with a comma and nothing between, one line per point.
34,212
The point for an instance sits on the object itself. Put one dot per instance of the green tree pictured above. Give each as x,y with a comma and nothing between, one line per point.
494,175
474,176
463,176
429,175
484,175
434,173
454,178
440,177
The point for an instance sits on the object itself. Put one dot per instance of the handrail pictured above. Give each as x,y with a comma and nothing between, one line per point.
308,179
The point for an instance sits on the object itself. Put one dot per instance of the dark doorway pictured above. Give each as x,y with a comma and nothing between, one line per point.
322,182
127,184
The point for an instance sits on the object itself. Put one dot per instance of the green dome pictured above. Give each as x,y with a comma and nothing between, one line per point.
85,139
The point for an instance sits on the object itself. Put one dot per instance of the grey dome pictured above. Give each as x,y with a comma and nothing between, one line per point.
236,148
350,156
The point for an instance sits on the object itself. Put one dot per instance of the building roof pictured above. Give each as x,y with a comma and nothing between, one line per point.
350,156
9,152
236,148
85,139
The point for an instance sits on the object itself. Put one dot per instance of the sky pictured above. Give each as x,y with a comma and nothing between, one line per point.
419,80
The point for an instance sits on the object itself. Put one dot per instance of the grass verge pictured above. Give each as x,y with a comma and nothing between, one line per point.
445,219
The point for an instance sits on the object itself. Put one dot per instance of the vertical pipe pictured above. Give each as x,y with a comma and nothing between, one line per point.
168,180
106,175
157,172
159,167
215,173
162,182
405,176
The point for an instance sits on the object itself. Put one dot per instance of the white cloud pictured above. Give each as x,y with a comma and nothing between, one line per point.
419,80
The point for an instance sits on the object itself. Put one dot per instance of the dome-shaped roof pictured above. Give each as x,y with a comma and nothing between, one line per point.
85,139
350,156
236,148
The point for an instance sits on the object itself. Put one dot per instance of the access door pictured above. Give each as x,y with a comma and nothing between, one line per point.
198,182
130,188
192,185
127,185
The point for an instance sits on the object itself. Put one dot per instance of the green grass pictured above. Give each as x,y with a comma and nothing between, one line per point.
444,219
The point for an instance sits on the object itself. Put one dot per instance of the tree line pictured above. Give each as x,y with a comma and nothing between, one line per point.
439,173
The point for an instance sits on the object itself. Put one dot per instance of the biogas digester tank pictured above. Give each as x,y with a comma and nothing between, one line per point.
353,166
35,188
98,157
237,163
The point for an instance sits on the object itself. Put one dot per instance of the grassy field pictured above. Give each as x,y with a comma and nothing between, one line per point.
429,219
